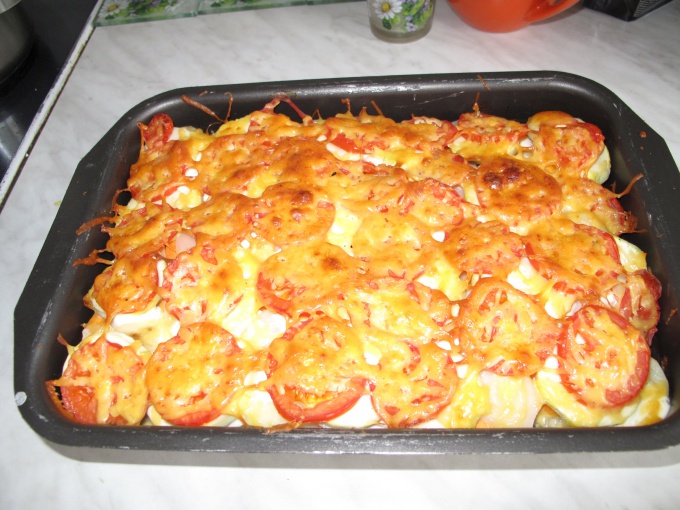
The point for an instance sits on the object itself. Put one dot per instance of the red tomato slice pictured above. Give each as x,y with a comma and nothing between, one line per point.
606,360
484,249
293,216
301,407
392,244
570,289
288,280
193,285
413,385
603,242
192,376
515,191
645,291
317,374
490,131
127,286
81,402
158,132
562,140
511,333
586,194
345,143
401,307
278,294
579,249
196,419
433,203
104,365
445,130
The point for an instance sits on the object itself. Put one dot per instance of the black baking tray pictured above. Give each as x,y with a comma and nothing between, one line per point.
51,303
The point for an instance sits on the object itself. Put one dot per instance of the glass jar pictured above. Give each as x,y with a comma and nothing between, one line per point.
400,20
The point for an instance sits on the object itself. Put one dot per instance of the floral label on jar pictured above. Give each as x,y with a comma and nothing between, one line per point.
401,16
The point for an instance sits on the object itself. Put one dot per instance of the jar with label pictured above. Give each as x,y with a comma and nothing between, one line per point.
400,20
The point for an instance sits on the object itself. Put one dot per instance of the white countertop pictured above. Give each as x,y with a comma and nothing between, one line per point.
122,65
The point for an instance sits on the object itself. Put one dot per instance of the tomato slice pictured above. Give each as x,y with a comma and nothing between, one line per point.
562,141
157,133
344,143
481,133
506,329
317,374
433,202
390,243
302,407
398,306
484,249
603,242
127,286
645,290
413,385
203,283
583,194
515,191
103,383
291,215
606,359
192,376
288,280
81,403
580,249
445,131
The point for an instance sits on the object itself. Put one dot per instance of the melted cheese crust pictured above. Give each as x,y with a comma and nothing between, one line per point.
355,271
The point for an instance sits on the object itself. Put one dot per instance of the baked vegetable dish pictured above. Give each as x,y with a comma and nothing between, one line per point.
356,272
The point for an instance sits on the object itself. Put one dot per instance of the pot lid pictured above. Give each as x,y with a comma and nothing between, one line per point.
6,5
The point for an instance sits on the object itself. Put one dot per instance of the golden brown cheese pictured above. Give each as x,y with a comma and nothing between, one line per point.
357,271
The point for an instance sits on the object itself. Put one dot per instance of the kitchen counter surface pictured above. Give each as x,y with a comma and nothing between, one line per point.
122,65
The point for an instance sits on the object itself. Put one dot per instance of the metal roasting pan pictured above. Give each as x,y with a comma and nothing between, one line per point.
51,302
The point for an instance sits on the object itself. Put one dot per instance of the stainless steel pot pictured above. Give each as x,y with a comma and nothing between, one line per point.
16,37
